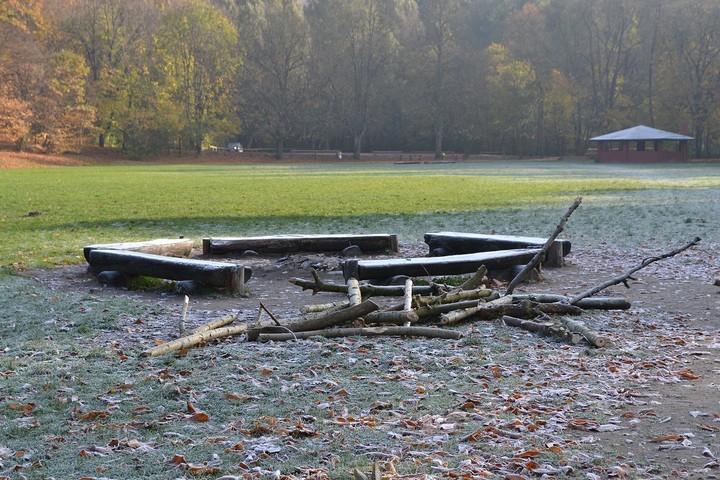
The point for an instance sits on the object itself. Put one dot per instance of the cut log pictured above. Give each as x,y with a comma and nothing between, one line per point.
432,266
456,243
177,247
366,332
218,274
591,336
300,243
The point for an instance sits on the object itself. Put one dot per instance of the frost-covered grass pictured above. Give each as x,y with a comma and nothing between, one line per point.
48,215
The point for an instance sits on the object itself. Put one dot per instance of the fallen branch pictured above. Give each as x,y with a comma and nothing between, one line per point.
548,330
364,332
628,275
392,317
591,336
198,338
333,318
476,280
543,250
318,285
221,322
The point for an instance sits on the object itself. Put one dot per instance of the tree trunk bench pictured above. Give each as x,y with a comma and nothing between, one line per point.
300,243
174,247
217,274
432,266
454,243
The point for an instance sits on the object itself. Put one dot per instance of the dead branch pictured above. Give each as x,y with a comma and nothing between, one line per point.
318,285
628,275
333,318
198,338
353,291
392,317
548,330
476,280
429,332
543,250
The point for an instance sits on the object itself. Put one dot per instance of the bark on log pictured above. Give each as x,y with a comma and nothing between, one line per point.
318,285
532,264
353,292
542,329
430,266
491,311
476,281
217,274
454,243
392,318
300,243
591,336
322,307
171,247
429,332
331,319
625,276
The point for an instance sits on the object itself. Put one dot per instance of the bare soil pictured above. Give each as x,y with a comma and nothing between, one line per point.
671,423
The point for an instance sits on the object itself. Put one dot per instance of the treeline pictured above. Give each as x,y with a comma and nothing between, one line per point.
513,76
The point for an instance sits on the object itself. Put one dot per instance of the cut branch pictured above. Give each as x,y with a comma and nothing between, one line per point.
548,330
591,336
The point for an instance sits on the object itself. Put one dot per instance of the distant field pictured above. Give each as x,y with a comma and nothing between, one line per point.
48,214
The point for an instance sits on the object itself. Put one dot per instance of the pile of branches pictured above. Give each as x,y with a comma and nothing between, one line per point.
425,310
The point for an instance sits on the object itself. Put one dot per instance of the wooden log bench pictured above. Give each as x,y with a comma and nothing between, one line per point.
455,243
217,274
432,266
174,247
300,243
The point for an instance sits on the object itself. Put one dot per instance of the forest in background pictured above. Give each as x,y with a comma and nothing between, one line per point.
518,77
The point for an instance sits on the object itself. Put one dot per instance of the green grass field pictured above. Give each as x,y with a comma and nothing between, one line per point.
47,215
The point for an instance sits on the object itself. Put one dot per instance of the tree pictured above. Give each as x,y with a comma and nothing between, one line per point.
195,46
276,77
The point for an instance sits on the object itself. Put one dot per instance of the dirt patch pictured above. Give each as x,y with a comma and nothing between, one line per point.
669,418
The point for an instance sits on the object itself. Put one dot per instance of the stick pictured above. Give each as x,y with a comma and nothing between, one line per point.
476,280
318,308
541,254
184,313
365,332
333,318
623,278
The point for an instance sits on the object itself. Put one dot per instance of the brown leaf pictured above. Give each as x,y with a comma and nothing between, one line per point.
667,438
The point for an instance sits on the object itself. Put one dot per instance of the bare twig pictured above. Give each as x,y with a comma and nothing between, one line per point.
541,254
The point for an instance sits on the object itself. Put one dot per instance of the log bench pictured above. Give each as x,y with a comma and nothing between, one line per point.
217,274
454,243
174,247
431,266
300,243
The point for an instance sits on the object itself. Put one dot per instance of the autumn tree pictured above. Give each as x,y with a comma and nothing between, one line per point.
196,46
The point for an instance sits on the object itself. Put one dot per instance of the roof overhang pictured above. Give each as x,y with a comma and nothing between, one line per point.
640,133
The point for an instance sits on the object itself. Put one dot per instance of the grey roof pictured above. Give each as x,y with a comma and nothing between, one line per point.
641,132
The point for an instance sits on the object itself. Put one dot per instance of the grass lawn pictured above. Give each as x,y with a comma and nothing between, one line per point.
47,215
76,400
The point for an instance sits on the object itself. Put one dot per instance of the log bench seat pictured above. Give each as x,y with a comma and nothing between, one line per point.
454,243
432,266
174,247
300,243
217,274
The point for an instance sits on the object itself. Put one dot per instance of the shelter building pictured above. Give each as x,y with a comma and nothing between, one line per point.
642,144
